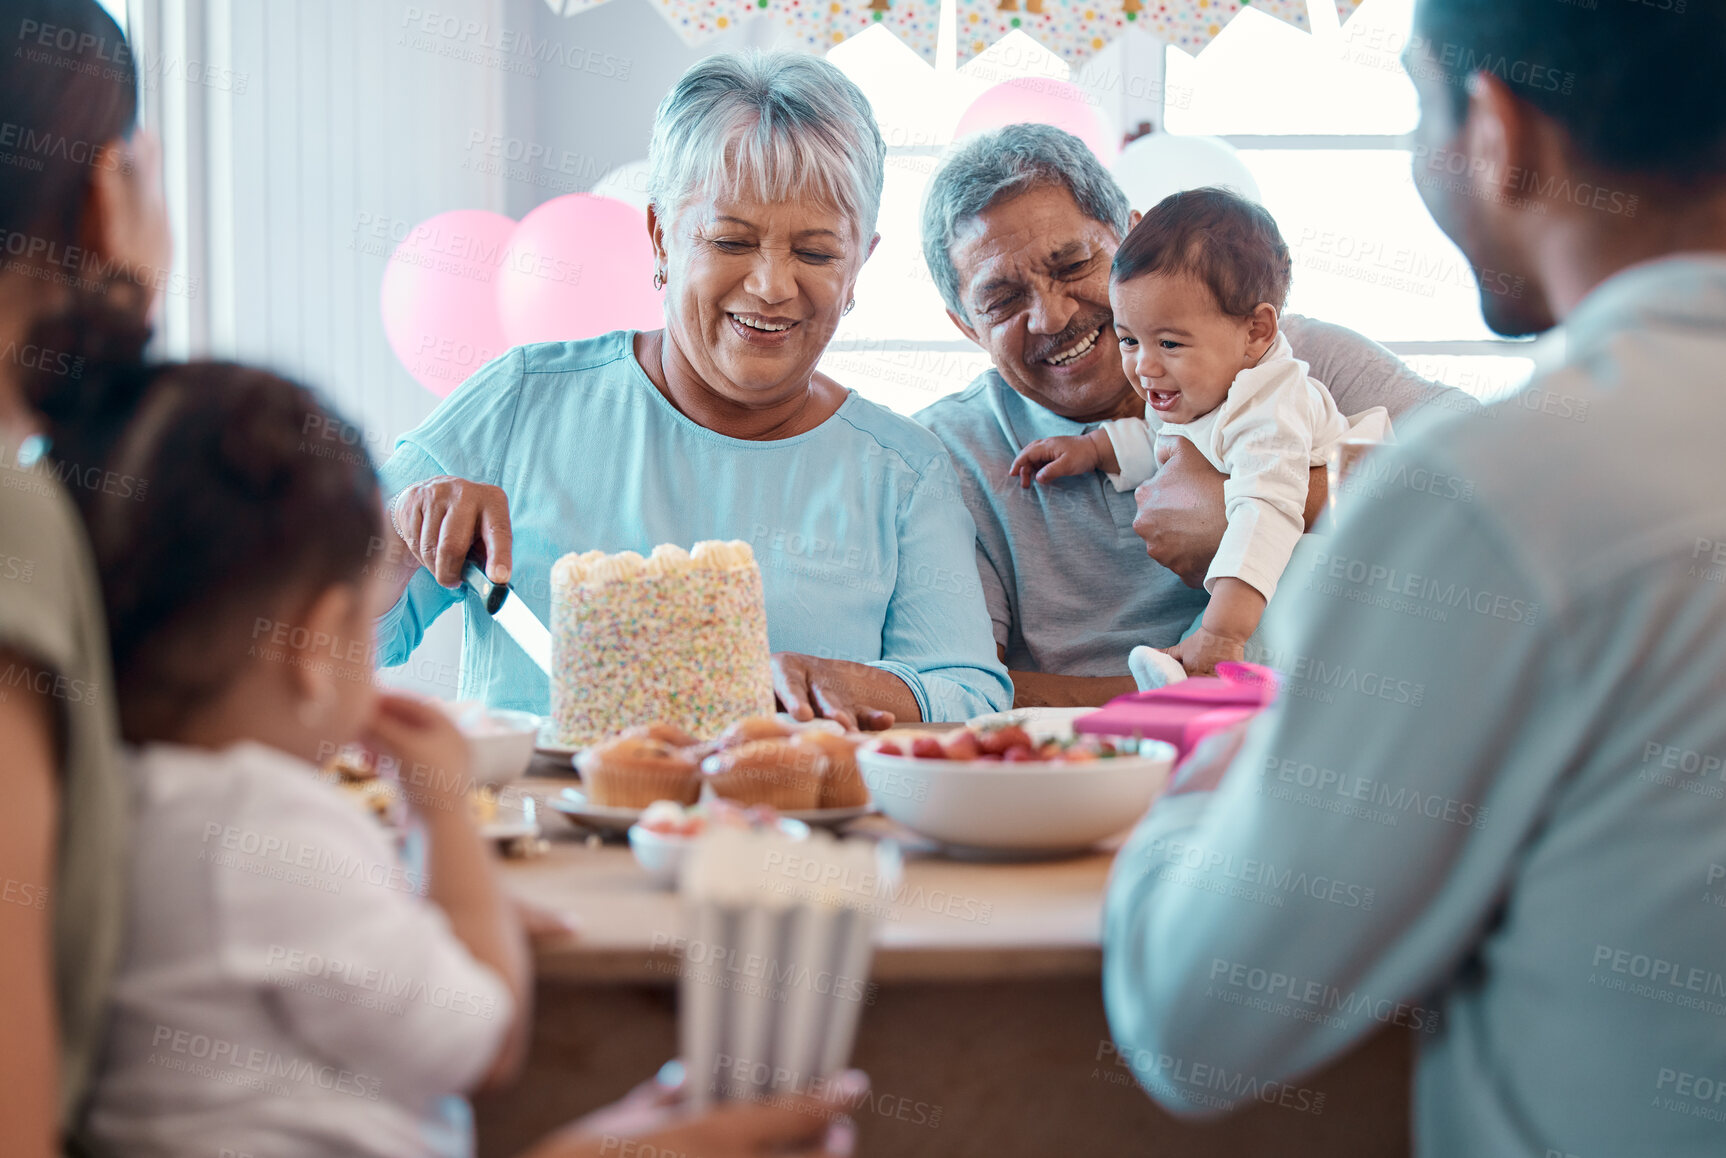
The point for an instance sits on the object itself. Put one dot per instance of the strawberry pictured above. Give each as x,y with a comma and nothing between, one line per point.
928,748
889,748
1002,739
1020,753
963,746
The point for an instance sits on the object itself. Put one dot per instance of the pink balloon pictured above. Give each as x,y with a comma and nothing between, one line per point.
439,296
578,266
1041,101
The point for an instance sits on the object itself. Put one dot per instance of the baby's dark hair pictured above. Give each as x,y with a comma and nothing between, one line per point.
1225,241
211,499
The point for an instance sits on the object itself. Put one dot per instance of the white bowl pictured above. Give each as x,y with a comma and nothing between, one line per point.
502,744
661,854
1032,807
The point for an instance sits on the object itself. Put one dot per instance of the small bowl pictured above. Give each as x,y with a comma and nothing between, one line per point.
661,854
1041,807
502,745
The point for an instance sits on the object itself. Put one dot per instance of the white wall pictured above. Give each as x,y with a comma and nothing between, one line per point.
589,120
298,134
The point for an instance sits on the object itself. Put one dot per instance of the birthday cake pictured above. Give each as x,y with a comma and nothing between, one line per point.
678,638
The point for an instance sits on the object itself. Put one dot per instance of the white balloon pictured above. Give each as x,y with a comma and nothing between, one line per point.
626,183
1159,164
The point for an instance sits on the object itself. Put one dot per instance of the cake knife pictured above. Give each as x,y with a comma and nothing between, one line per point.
509,612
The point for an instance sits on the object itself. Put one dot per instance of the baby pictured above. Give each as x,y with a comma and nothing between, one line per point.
1197,287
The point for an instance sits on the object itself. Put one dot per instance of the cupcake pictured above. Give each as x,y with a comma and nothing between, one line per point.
669,734
634,771
842,786
775,772
753,728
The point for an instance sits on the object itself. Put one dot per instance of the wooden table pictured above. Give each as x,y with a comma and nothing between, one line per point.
986,1035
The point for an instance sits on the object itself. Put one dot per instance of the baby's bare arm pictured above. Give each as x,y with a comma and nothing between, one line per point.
1234,610
1231,617
1048,459
1107,461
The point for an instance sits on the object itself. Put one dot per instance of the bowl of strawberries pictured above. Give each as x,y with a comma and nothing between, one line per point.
1005,787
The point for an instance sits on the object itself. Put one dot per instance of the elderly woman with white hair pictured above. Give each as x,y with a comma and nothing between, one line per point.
766,174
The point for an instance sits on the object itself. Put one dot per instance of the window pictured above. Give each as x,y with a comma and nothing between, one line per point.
1321,118
898,347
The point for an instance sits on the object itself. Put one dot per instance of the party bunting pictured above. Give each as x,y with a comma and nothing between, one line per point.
1187,24
1291,12
697,20
1072,29
820,24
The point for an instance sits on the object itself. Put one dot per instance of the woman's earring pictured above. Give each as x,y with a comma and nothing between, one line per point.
658,279
850,305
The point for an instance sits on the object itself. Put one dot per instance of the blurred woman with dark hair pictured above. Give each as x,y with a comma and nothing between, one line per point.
82,227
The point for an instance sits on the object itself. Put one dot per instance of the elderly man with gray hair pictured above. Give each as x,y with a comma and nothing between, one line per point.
1019,227
766,173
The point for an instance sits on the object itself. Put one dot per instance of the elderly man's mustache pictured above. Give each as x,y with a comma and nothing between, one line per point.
1076,330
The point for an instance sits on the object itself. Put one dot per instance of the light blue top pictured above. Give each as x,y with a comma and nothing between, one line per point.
1069,587
864,545
1490,805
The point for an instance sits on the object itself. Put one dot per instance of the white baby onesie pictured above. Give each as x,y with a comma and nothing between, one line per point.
1276,424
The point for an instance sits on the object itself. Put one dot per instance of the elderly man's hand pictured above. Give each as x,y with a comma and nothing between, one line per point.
1182,515
441,519
855,695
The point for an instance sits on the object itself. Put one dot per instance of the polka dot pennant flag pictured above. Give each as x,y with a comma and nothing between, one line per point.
1292,12
1187,24
818,25
697,20
1072,29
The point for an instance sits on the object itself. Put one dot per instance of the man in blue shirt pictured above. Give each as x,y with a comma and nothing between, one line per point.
1019,227
1526,863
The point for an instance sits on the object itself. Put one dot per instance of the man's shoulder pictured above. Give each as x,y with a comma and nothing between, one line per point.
1627,479
971,419
1360,373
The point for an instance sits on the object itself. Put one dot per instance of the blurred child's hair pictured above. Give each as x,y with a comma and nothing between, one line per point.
214,500
1228,243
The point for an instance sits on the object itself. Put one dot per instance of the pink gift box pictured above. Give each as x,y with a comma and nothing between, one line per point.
1187,712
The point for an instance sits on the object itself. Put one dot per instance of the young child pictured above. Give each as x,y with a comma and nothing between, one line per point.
1197,287
287,986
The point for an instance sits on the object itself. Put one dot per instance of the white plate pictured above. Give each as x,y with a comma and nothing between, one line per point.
573,803
661,855
1042,723
517,816
547,744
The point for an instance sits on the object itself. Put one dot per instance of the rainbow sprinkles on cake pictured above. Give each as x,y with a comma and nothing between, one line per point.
678,638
